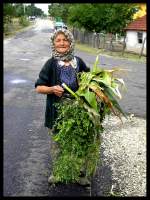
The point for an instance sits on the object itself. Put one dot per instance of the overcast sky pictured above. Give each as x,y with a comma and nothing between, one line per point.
43,6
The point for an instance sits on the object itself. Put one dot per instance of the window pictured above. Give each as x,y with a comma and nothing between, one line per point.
140,37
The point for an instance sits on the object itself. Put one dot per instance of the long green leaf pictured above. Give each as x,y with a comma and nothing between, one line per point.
111,95
69,90
96,69
90,97
95,64
103,77
85,79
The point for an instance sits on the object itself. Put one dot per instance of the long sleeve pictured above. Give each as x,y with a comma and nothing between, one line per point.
44,75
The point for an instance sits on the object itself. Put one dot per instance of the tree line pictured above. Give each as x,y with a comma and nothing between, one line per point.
95,17
19,9
15,16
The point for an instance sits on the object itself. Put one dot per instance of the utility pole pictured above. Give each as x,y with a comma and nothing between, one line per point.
24,8
141,53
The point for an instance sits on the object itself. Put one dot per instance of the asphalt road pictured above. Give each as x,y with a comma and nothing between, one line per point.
26,142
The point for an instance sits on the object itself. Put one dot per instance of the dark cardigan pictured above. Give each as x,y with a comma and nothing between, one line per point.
48,76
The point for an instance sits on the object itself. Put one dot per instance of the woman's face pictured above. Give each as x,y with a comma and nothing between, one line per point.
61,43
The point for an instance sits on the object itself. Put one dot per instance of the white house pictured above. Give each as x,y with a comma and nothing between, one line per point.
136,35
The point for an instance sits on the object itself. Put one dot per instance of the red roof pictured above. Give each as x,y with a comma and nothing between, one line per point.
138,24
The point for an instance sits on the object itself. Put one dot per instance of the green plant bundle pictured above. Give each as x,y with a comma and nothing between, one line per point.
79,122
78,142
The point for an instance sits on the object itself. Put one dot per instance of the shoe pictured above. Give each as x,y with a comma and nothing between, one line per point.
52,180
84,181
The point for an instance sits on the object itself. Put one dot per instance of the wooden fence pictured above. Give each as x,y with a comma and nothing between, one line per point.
106,42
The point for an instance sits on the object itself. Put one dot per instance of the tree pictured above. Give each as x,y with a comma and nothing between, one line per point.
31,10
110,18
118,16
8,12
81,16
19,9
54,10
8,9
58,10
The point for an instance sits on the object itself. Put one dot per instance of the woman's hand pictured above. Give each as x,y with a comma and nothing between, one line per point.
58,90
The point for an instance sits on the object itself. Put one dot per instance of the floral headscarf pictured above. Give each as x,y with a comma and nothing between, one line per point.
69,55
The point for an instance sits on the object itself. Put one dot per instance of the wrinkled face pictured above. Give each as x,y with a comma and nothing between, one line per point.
61,43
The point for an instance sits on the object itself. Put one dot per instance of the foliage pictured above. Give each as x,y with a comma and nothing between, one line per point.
99,17
8,9
19,7
111,18
8,12
58,10
79,122
75,136
31,10
18,10
23,21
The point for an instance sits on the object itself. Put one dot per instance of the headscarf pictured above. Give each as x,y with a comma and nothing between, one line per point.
69,55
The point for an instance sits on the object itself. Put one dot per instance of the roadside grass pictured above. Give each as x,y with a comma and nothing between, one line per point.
11,29
94,51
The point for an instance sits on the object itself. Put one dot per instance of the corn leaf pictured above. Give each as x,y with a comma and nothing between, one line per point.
110,94
95,84
121,81
116,91
96,69
90,97
103,97
69,90
85,79
103,77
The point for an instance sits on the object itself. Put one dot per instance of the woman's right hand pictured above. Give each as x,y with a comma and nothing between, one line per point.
58,90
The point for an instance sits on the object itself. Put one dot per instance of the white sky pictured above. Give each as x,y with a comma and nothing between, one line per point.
43,6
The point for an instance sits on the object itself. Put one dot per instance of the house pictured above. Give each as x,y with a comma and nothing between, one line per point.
136,35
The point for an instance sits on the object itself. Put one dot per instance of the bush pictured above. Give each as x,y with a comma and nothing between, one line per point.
7,26
23,21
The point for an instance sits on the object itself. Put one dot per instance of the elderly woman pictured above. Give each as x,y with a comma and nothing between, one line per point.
62,67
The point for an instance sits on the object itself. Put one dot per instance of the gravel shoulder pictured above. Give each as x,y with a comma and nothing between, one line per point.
123,149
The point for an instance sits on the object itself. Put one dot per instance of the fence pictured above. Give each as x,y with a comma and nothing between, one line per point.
97,40
108,42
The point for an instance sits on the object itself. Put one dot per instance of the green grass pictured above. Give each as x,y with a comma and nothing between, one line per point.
15,28
94,51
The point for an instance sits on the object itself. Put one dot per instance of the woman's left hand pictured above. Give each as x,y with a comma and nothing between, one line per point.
58,90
